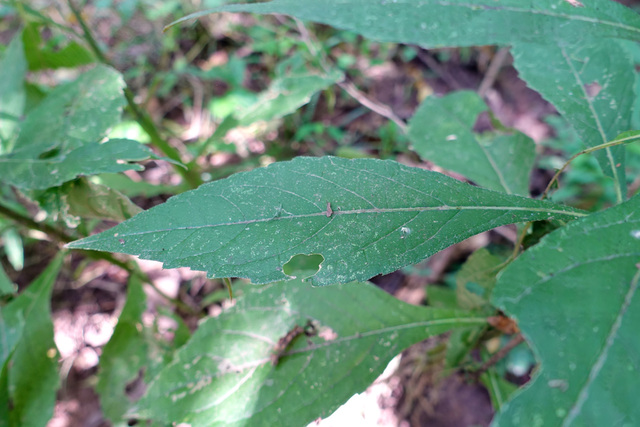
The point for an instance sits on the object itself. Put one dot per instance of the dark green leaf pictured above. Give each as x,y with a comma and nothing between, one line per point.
225,376
591,83
437,23
365,217
574,296
442,132
24,170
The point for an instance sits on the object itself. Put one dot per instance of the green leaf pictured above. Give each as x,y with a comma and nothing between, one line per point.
59,54
574,296
591,83
442,132
476,279
499,388
83,199
13,68
285,95
364,216
436,23
33,368
225,376
124,356
131,188
74,113
7,287
25,170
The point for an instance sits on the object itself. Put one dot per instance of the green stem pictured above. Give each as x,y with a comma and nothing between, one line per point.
587,151
27,222
227,283
141,117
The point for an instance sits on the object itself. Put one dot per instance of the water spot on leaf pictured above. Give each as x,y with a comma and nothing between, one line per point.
303,266
635,234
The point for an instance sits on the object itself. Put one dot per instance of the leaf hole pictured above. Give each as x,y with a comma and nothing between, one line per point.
302,266
592,89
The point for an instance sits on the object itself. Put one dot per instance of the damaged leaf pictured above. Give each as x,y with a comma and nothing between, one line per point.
333,342
382,216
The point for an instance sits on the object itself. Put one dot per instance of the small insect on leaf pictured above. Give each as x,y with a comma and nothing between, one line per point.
329,210
284,342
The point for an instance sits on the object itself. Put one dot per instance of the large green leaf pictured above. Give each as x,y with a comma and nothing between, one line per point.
364,216
437,23
225,376
13,67
33,368
442,132
575,298
25,170
591,82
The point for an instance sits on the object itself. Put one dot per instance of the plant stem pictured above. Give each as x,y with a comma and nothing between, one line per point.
500,354
27,222
227,283
590,150
141,116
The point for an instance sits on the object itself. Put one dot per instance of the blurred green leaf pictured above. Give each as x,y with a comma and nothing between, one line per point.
574,296
124,356
442,132
32,371
285,95
359,329
13,67
13,248
73,114
364,216
53,54
7,287
131,188
500,390
81,198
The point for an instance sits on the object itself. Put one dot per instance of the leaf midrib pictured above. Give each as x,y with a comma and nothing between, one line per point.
355,212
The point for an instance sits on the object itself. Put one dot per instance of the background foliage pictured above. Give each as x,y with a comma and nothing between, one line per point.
104,117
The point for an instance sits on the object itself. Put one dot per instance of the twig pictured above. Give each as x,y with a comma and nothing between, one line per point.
350,88
499,355
493,71
376,107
